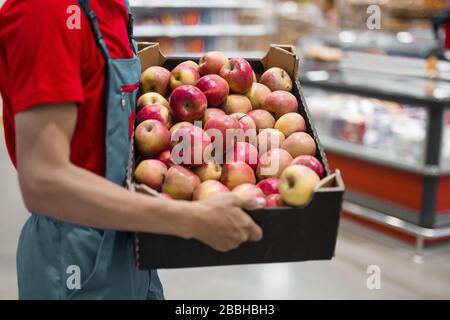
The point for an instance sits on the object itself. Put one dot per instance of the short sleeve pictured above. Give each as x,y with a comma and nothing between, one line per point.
43,52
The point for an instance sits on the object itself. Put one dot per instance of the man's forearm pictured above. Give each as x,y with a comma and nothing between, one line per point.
75,195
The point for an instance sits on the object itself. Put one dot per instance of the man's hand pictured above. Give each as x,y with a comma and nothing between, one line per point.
223,225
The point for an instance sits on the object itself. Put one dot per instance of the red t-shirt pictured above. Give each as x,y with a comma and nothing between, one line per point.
42,61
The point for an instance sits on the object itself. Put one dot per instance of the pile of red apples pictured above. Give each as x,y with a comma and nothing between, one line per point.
208,128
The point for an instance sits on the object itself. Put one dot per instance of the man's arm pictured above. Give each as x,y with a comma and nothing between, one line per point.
53,186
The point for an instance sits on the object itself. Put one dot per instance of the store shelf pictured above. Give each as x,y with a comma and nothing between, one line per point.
203,31
201,4
415,91
395,223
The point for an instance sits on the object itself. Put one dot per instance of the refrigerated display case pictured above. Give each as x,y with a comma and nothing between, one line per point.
390,136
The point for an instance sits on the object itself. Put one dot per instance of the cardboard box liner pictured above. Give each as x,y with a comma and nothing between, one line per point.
290,234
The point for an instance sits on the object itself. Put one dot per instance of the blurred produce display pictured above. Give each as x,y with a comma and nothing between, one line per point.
192,27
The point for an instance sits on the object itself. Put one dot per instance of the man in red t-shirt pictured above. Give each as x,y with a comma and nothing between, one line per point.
52,81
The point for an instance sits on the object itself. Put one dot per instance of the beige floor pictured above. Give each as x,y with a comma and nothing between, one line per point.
343,278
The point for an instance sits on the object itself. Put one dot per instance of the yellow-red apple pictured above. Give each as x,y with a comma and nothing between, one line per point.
152,137
279,103
180,183
269,139
300,143
289,123
248,191
236,103
209,171
155,79
156,112
183,75
212,113
212,62
237,173
208,189
262,118
151,173
297,185
272,163
276,79
151,98
257,94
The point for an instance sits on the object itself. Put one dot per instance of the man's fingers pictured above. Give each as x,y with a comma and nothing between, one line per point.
248,202
255,232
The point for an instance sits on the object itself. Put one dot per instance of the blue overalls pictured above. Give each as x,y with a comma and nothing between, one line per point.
57,260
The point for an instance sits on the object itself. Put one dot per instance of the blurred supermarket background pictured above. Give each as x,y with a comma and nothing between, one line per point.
375,75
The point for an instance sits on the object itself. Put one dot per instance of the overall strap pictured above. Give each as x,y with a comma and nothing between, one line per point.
130,27
92,17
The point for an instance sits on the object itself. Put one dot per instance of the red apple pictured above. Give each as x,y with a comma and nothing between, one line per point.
208,189
183,75
262,118
310,162
248,128
299,143
276,79
222,128
237,173
179,125
152,137
151,98
180,183
274,200
156,112
188,103
190,63
279,103
269,139
151,173
215,89
289,123
239,75
236,103
248,191
244,152
269,185
297,185
257,94
212,113
212,62
155,79
166,158
272,163
190,145
209,171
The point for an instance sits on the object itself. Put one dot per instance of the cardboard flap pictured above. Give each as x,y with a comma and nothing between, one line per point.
150,54
333,182
282,56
